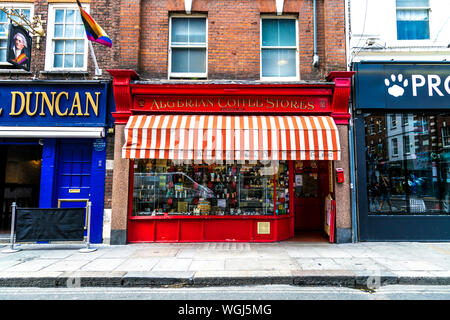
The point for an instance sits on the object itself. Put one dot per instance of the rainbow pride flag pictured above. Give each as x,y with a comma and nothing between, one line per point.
93,31
21,59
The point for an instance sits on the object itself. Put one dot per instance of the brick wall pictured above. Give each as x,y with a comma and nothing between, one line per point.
233,36
107,15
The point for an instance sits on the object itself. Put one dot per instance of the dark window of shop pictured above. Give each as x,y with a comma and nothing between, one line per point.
412,175
20,174
166,187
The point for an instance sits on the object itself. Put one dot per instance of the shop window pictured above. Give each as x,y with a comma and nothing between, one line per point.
25,9
188,47
410,179
66,44
279,49
413,19
162,187
20,176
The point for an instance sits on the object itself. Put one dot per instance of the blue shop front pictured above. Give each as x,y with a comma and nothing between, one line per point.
402,140
53,147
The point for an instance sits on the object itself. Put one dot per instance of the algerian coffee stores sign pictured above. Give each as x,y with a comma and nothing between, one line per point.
53,104
402,86
228,104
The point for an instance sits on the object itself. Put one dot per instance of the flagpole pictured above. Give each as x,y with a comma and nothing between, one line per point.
98,71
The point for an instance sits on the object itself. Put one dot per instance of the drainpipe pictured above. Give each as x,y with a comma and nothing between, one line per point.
351,141
316,56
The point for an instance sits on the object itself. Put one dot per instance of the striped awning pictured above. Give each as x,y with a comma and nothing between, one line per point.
216,137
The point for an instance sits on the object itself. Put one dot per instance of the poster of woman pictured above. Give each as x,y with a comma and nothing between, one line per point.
19,47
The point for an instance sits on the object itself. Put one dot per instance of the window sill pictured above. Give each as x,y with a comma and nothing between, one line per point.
279,79
64,72
188,77
14,71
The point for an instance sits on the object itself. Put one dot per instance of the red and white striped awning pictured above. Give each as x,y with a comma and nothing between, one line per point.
216,137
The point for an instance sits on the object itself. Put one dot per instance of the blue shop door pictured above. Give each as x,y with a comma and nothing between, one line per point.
74,174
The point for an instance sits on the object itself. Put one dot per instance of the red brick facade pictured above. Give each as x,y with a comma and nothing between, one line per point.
103,11
233,36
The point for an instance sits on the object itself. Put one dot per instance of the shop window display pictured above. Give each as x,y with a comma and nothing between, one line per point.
162,187
409,170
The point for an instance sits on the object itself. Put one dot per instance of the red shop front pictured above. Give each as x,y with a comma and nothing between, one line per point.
229,161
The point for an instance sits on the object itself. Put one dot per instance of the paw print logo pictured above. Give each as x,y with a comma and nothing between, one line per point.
396,88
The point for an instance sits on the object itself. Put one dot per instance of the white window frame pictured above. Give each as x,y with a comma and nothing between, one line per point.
394,147
50,47
393,121
444,136
297,60
202,46
16,5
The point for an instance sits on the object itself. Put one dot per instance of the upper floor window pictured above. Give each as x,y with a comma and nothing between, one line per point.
405,119
66,44
446,137
23,8
394,147
413,19
393,121
279,49
406,145
188,47
371,126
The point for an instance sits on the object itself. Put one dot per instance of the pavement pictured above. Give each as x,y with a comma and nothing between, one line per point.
365,265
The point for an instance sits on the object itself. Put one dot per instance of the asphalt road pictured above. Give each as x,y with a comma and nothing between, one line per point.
268,292
243,302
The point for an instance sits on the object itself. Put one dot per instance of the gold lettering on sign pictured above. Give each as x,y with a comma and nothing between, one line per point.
220,105
154,103
57,109
231,103
29,112
76,104
47,102
90,101
13,103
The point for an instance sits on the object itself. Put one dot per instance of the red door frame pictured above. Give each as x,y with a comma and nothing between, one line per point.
135,98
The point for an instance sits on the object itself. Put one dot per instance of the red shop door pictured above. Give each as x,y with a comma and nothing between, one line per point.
310,189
